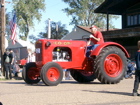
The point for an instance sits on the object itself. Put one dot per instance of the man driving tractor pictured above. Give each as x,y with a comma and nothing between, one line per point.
96,38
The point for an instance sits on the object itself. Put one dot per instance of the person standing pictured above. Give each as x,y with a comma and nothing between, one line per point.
137,72
96,38
13,61
29,57
7,64
33,59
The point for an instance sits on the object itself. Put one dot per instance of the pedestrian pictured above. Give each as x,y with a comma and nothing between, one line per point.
7,64
130,69
1,103
96,38
33,57
137,72
29,57
68,75
13,61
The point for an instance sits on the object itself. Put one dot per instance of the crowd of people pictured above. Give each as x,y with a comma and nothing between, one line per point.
11,67
9,63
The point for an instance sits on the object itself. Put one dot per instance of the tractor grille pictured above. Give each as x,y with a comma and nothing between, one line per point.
39,52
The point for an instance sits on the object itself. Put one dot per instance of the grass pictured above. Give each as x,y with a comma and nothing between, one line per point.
1,79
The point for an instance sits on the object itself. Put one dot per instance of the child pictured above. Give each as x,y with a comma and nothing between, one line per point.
137,73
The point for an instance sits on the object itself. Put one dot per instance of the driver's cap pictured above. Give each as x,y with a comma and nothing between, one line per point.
93,26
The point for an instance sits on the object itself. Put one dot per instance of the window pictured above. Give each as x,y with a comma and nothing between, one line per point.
133,20
128,20
139,18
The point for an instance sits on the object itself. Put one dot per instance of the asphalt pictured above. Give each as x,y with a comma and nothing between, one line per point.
68,92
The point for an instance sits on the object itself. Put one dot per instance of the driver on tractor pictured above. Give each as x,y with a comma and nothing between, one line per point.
96,38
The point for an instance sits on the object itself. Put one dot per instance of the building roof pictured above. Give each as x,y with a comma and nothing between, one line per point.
78,33
85,28
116,7
21,43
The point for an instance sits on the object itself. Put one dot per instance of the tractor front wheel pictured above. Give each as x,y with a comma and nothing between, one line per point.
110,65
29,73
82,76
51,74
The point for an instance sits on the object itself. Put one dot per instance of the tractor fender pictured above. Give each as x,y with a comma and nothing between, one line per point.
99,48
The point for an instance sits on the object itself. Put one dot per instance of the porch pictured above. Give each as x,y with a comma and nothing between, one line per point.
127,37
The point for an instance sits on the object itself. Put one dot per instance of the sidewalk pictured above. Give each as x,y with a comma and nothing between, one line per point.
1,76
15,78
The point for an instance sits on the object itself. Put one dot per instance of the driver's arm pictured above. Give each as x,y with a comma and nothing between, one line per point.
88,42
97,39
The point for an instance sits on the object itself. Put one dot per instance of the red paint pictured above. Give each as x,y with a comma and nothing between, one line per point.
113,65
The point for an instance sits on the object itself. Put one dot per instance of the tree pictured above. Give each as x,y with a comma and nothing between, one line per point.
82,12
27,11
55,34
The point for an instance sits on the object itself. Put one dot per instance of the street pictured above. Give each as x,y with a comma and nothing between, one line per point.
68,92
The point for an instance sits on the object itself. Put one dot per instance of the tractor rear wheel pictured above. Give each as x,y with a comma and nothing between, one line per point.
110,65
51,74
29,73
82,76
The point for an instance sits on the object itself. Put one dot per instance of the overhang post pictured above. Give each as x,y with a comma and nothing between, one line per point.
107,21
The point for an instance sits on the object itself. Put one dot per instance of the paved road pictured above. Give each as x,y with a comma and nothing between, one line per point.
68,92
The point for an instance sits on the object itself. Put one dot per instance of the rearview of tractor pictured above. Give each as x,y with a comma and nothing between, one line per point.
107,63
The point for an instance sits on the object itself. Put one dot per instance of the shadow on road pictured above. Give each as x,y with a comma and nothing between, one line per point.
20,81
109,92
75,82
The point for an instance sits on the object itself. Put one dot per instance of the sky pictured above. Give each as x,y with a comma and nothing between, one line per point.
54,12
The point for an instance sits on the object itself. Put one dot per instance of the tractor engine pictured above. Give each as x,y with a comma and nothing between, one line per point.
61,54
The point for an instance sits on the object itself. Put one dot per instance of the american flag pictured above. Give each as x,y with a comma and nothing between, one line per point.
13,27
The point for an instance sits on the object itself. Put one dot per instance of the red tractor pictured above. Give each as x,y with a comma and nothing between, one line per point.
107,63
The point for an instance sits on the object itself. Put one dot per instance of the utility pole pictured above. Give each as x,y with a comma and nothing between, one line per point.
49,28
2,33
56,31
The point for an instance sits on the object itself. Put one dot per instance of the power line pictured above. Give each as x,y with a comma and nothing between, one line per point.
55,4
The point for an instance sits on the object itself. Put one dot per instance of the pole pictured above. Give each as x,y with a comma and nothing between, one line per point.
2,34
49,28
107,21
56,31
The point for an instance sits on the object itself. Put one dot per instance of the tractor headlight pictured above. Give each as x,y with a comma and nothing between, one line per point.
48,44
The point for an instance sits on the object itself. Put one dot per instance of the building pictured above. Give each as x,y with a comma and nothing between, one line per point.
130,13
21,48
78,33
130,32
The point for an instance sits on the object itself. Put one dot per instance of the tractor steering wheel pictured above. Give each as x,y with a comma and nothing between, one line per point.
86,37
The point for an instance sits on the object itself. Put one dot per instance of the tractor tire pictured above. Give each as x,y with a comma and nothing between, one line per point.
110,65
28,73
51,74
82,76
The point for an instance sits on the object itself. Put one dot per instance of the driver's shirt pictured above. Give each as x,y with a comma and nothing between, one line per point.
98,34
